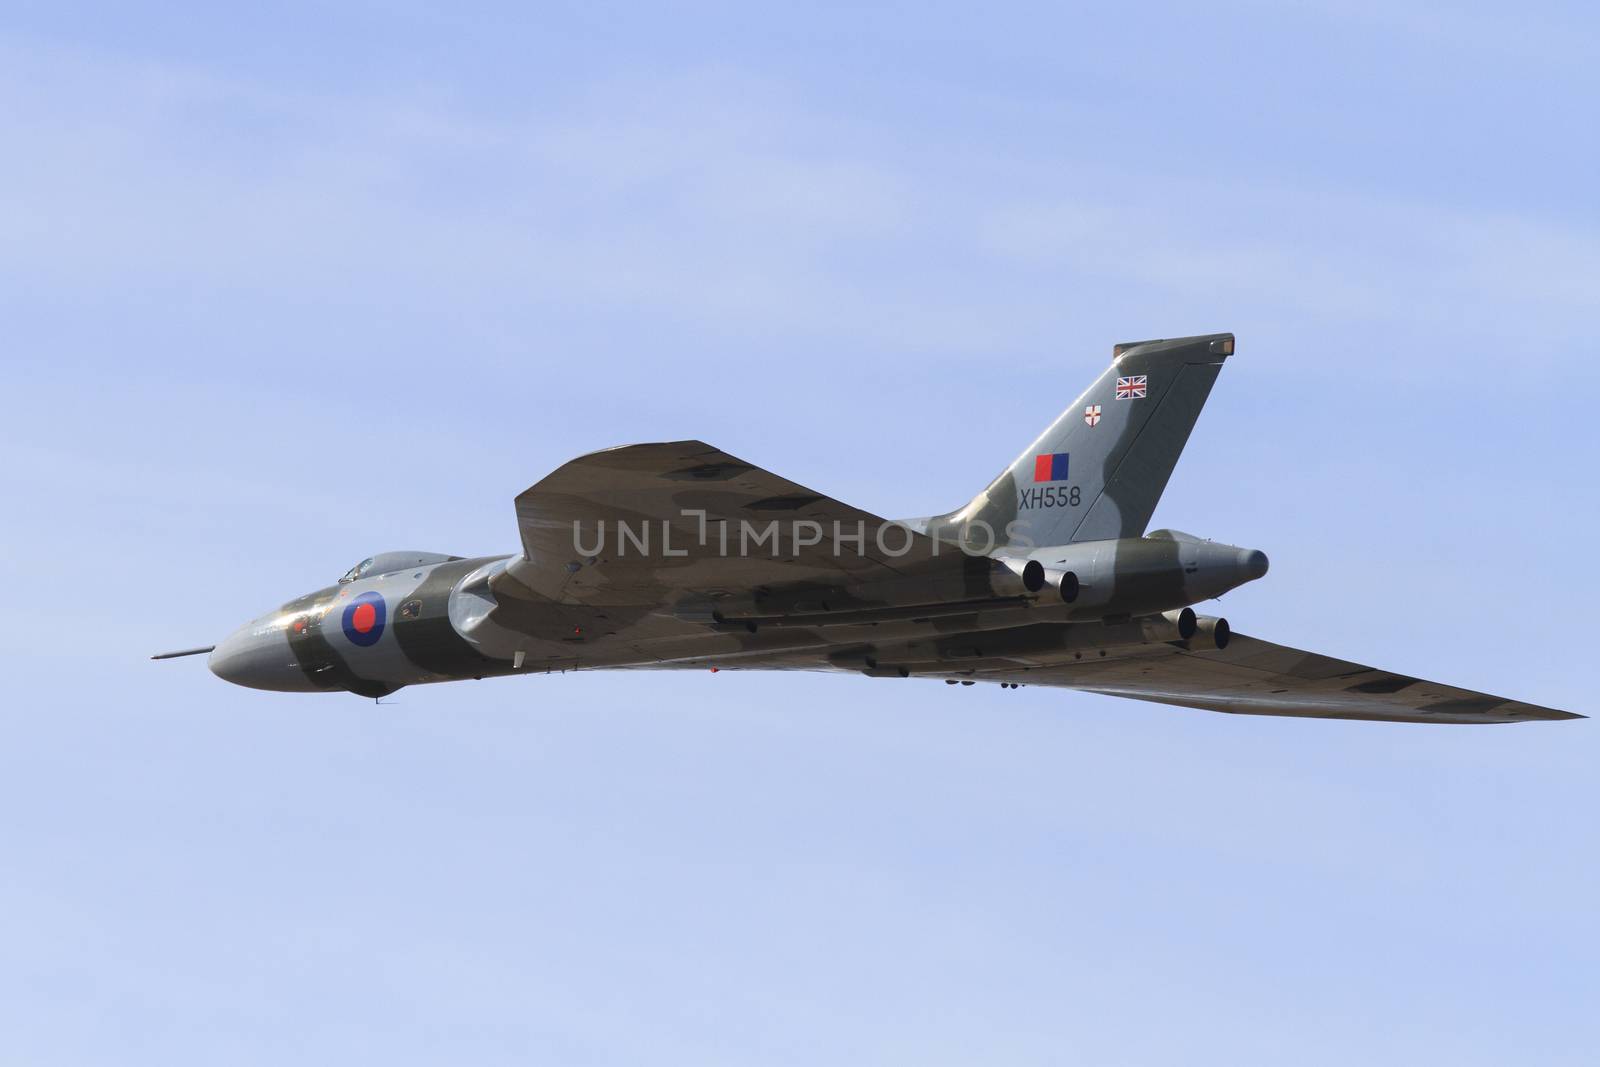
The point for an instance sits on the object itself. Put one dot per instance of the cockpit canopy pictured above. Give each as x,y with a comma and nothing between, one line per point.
388,562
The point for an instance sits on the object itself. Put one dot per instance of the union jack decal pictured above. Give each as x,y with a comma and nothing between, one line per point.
1133,388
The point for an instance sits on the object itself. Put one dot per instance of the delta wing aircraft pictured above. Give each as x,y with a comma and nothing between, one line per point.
680,556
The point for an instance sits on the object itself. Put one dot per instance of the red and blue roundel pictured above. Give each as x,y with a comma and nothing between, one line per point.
363,619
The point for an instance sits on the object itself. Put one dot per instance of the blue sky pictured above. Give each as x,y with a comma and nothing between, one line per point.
286,286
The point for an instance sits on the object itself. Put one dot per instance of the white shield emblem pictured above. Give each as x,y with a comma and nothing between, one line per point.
1091,414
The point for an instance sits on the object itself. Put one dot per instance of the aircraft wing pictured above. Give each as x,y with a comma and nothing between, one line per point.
1254,677
717,527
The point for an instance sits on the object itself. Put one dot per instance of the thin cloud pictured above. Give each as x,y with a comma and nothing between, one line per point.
683,203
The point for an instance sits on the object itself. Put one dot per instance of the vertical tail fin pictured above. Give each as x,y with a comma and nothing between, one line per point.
1098,470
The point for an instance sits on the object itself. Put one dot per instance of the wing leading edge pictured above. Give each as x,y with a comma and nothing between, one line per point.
682,518
1255,677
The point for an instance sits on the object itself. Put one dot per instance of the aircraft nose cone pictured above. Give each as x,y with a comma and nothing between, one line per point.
232,660
1253,562
256,661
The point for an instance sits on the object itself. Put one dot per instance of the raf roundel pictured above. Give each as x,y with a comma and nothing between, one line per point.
364,618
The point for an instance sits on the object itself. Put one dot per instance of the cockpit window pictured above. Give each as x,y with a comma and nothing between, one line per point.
357,571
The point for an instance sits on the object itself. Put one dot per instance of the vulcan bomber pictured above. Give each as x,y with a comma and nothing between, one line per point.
679,556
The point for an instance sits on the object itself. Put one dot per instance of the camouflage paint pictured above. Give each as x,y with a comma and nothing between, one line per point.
929,610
